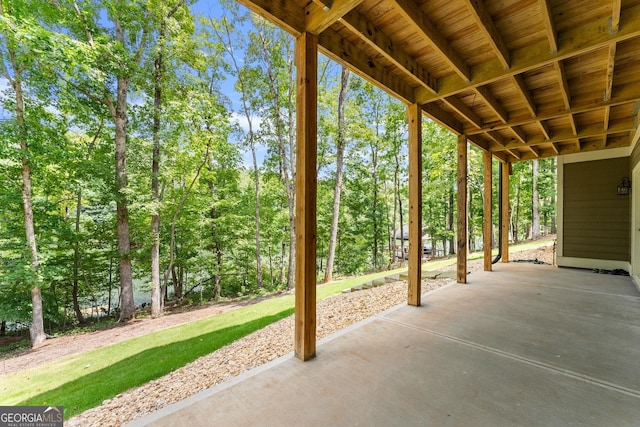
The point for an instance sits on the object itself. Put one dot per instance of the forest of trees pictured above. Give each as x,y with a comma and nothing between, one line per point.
147,147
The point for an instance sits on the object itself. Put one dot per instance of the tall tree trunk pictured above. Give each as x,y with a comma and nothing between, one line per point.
127,304
37,333
340,147
157,302
76,260
535,227
516,222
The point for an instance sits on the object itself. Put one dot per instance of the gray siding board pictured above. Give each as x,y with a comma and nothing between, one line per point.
596,220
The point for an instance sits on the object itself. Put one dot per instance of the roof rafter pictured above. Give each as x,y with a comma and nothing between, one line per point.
493,103
522,88
415,17
593,131
575,42
379,41
464,111
341,50
545,129
485,22
630,95
545,8
321,16
610,68
615,16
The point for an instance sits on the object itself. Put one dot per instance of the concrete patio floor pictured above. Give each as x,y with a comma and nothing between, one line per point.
526,345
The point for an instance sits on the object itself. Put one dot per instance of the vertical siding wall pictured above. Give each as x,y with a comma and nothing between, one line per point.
596,220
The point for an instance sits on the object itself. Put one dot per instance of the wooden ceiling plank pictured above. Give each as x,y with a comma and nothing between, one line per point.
522,137
493,103
564,136
545,129
545,9
465,111
564,84
413,15
444,118
534,150
575,42
630,94
320,17
485,22
284,14
343,51
524,91
495,136
514,154
615,16
383,44
610,69
554,147
574,125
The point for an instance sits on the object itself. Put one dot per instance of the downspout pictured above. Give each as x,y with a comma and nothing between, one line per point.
500,201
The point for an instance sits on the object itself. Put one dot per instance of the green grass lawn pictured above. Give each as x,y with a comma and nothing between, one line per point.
85,380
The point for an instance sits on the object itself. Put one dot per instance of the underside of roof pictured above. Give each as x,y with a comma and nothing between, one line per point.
523,79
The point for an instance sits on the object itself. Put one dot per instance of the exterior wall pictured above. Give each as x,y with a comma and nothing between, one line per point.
596,221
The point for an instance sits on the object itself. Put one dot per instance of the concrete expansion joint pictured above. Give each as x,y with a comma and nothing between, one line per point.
515,357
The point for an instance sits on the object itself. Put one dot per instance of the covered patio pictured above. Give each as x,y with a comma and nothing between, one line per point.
526,345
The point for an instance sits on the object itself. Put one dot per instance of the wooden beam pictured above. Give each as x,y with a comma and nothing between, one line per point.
414,118
605,122
414,16
493,103
534,150
615,16
550,28
521,87
576,41
342,51
442,117
564,84
383,44
554,147
306,58
285,14
464,111
590,131
574,125
610,69
319,17
630,94
522,137
487,214
461,274
505,170
496,137
514,154
485,22
545,129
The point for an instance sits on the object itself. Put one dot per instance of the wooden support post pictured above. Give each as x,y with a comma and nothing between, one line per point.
414,117
462,210
487,221
505,171
306,57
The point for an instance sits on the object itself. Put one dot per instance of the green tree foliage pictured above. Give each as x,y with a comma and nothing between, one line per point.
203,110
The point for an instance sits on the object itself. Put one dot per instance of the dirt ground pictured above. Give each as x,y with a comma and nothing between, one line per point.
61,347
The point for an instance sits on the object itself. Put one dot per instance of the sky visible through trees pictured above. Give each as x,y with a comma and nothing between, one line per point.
152,146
